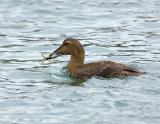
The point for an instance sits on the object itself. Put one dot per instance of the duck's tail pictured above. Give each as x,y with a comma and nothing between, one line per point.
129,71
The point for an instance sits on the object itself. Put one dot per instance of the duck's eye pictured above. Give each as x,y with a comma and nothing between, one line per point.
66,43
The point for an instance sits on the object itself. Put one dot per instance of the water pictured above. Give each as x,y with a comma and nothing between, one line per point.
125,31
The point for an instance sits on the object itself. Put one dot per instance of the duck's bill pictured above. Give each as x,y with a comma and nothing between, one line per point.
52,55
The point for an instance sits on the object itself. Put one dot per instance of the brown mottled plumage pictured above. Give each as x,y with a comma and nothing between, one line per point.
77,68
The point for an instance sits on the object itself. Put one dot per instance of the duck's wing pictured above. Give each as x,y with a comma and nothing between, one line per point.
110,71
105,69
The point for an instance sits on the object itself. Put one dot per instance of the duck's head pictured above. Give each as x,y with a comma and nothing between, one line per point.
69,47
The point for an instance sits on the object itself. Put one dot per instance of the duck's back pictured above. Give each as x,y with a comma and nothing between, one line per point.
105,69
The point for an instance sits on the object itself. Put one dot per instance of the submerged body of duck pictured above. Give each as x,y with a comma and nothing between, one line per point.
77,68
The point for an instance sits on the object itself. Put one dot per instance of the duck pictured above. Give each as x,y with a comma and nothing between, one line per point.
78,68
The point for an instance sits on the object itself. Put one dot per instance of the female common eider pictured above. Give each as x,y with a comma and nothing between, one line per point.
77,68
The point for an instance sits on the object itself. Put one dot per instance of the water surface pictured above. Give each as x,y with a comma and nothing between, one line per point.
125,31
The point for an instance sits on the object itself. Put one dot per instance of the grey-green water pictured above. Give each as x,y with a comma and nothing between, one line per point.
126,31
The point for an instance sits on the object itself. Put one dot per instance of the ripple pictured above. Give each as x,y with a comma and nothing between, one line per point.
2,35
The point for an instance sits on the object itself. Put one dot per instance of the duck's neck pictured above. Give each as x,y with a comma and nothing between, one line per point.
75,61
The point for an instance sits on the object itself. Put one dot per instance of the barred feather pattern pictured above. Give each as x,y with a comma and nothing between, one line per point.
104,69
